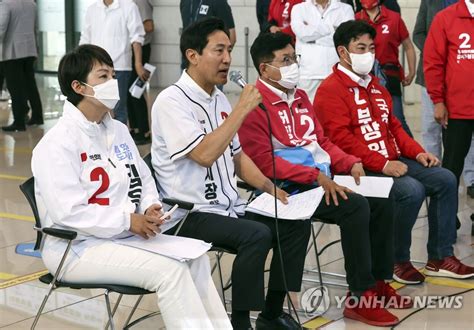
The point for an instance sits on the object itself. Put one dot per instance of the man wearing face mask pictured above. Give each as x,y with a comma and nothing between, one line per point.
356,113
304,158
90,178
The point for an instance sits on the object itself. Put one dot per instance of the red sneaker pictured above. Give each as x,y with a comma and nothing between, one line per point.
449,267
391,298
368,309
407,274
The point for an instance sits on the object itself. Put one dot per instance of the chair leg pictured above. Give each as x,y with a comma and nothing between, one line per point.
109,311
318,265
43,303
219,268
133,311
117,303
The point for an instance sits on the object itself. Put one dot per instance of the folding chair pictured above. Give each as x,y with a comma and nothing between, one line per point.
218,250
52,281
314,236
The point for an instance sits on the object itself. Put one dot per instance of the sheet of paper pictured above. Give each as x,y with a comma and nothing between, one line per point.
176,247
370,186
300,206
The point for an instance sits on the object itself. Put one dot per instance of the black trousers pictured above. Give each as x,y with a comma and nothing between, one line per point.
21,83
137,108
32,90
252,239
15,77
456,142
366,226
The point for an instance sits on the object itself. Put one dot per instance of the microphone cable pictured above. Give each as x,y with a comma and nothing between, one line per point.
236,77
290,302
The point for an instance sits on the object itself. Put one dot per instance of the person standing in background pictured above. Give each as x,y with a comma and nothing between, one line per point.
389,4
448,67
391,33
194,10
431,130
279,16
116,26
314,23
18,52
138,108
262,7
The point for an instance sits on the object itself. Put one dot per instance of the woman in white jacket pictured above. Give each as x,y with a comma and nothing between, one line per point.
89,177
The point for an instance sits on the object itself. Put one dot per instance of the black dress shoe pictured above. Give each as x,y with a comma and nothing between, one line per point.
32,122
284,321
13,128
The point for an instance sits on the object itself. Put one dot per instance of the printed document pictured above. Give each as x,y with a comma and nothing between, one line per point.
300,206
370,186
175,247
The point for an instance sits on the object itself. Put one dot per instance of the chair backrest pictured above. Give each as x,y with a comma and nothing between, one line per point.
28,189
147,159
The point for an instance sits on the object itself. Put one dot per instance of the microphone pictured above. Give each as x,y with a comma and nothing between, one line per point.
236,77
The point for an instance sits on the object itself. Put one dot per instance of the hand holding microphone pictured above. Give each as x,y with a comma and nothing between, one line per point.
250,97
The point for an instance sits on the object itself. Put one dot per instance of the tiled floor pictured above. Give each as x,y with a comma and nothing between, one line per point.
20,294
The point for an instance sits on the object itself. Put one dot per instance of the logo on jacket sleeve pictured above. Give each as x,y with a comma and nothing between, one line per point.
122,152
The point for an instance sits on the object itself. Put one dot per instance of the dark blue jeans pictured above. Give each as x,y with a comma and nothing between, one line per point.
409,192
120,110
398,112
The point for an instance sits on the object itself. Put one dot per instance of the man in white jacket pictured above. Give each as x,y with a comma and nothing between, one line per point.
89,177
314,23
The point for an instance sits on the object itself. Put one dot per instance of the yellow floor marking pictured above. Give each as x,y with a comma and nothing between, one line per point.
19,150
449,282
396,285
22,279
316,323
13,177
6,276
17,217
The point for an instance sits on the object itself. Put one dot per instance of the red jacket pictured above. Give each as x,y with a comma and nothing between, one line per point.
448,60
298,139
279,14
360,121
391,32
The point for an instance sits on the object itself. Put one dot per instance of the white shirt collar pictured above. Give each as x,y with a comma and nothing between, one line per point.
470,7
322,9
287,97
363,82
201,93
113,5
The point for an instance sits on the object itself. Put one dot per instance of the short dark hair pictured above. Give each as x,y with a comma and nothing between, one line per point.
265,44
195,36
350,31
76,65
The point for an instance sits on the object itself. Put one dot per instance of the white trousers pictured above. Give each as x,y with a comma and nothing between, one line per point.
187,297
310,86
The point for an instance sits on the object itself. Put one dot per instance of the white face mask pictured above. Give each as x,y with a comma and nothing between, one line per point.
107,93
290,75
362,63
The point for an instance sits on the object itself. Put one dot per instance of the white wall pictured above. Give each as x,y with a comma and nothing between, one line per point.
165,46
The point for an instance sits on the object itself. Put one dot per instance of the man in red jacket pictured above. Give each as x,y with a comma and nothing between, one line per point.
356,113
279,16
304,157
448,66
